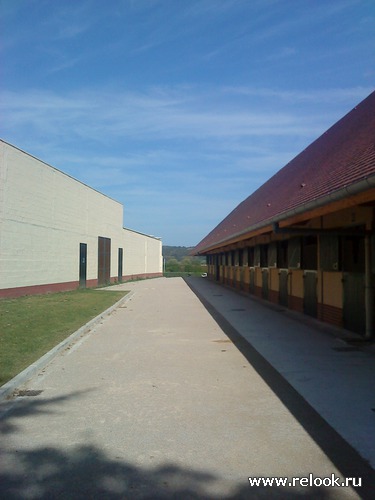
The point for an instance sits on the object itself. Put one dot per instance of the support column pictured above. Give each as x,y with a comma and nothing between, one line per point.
369,290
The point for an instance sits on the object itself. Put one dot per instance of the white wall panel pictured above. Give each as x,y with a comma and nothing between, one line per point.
45,215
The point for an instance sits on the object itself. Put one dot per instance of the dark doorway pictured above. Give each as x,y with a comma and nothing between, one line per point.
353,265
310,299
252,280
82,265
265,284
104,261
217,267
120,259
309,253
282,254
354,302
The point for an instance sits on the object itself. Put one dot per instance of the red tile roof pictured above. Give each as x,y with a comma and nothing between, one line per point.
341,157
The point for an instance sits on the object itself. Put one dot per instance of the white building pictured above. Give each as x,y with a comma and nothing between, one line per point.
57,234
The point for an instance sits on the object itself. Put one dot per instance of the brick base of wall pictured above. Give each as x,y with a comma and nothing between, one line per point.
330,314
68,286
273,296
12,293
258,291
296,303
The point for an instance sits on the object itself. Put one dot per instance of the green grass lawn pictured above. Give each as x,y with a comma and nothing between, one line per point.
31,326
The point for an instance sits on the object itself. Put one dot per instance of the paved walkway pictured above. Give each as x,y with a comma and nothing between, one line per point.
166,398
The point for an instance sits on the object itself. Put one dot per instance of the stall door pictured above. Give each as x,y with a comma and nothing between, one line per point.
252,280
354,302
310,299
265,284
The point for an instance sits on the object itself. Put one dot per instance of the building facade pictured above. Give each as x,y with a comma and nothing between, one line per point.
58,234
305,239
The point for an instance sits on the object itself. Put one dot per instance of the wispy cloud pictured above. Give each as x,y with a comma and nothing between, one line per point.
313,96
179,109
180,144
152,115
144,131
62,63
70,20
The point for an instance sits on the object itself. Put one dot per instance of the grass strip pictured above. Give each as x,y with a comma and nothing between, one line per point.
31,326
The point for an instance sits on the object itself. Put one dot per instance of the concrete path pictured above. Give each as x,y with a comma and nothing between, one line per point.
166,399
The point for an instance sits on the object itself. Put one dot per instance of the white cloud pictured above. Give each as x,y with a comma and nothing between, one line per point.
103,115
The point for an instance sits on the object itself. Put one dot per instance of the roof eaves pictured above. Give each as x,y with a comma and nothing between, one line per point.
350,190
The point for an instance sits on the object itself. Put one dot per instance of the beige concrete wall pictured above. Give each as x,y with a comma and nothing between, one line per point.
45,215
142,254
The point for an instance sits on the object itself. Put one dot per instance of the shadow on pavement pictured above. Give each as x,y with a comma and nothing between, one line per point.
11,410
346,459
85,471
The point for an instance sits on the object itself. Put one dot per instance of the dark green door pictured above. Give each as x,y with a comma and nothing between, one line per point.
82,265
310,299
252,280
265,284
354,302
120,261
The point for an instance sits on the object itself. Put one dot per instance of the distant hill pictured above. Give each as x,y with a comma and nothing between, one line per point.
177,259
178,253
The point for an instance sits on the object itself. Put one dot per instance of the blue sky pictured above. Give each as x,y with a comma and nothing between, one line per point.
179,109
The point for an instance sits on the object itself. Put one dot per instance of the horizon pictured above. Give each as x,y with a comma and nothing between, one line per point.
178,110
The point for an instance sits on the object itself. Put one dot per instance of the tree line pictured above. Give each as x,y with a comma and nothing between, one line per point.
177,259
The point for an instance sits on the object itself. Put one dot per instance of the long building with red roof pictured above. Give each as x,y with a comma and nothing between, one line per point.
305,239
